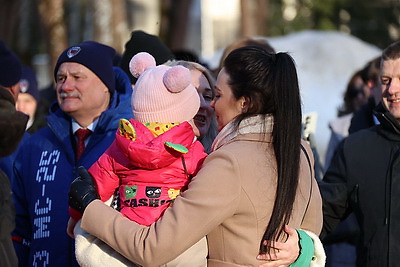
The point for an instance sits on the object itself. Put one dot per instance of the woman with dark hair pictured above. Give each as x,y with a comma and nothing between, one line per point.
258,178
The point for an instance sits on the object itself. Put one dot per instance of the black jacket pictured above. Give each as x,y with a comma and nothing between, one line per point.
12,128
363,118
364,177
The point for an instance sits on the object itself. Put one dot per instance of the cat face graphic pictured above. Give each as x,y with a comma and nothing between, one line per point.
153,192
130,191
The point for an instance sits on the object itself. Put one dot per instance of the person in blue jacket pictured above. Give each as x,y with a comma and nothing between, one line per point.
91,95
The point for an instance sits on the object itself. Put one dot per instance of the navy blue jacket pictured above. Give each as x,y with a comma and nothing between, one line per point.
44,169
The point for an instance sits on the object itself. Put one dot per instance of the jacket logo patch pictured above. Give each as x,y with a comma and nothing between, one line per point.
153,192
130,191
147,202
173,193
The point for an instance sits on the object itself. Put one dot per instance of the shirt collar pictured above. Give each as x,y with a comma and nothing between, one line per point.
76,126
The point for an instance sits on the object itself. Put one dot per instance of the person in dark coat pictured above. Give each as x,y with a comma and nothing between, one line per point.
12,125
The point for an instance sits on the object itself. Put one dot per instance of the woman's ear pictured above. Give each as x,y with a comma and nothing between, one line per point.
244,104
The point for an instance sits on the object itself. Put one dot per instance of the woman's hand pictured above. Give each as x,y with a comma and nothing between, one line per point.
70,227
286,252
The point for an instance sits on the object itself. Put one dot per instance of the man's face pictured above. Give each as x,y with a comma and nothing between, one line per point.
390,85
80,93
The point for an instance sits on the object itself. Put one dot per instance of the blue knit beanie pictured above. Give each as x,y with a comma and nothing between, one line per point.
10,66
95,56
28,83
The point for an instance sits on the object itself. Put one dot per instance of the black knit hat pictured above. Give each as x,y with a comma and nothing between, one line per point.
144,42
10,66
95,56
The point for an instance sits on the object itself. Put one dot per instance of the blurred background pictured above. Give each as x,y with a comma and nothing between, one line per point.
329,39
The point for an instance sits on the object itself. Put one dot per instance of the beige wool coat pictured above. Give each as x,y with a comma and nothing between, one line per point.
230,201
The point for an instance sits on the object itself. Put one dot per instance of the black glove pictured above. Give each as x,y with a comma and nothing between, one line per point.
82,191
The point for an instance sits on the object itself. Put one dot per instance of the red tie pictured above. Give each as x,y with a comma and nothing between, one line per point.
82,134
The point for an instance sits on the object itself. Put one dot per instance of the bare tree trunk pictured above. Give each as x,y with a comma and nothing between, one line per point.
102,30
52,16
246,25
254,17
119,25
178,19
263,17
9,15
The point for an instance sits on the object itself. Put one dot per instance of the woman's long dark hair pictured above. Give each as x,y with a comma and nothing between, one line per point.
269,84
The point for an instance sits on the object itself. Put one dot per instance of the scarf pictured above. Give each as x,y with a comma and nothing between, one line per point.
255,124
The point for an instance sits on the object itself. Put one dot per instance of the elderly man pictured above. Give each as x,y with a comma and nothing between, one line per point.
92,96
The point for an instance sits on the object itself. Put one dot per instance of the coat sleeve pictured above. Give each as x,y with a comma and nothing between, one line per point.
195,213
334,192
22,232
104,173
313,216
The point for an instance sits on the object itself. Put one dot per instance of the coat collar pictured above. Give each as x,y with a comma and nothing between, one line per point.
257,124
386,119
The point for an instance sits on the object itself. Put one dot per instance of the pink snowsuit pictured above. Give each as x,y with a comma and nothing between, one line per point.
149,174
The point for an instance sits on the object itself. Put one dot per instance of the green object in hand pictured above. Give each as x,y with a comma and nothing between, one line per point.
306,250
177,147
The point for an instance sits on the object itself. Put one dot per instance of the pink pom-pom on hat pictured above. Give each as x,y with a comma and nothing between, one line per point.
177,78
162,93
140,62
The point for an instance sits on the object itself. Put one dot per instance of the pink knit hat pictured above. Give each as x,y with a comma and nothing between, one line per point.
162,93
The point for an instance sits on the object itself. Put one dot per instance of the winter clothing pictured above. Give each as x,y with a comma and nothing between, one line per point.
362,178
10,66
10,138
364,117
148,173
87,54
44,169
152,158
10,123
162,93
144,42
230,200
28,83
339,129
13,124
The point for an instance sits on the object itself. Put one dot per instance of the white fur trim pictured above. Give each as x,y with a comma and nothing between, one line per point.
319,258
92,252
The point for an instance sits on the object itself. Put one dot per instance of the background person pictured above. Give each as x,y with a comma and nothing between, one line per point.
29,99
12,125
205,119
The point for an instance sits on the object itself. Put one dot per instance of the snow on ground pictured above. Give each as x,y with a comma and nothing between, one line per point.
325,62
